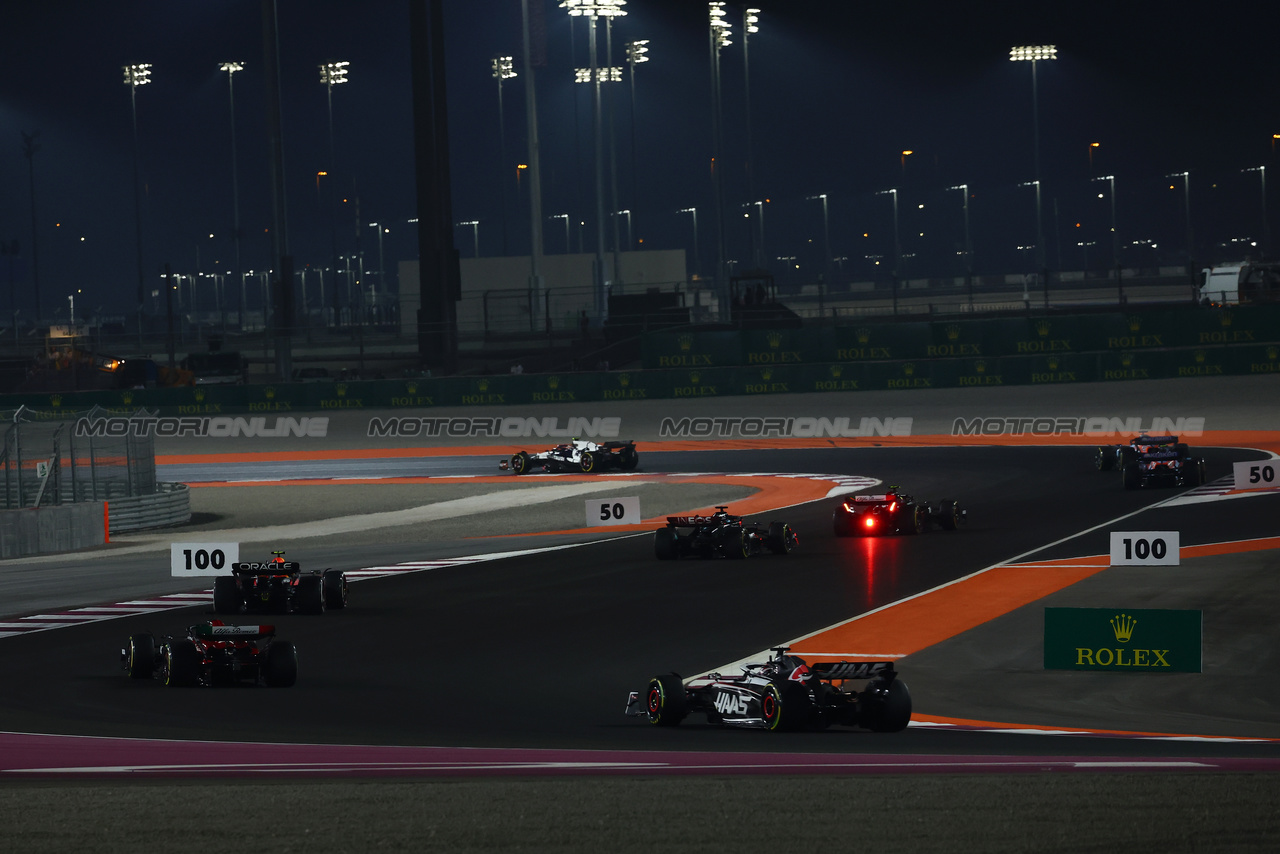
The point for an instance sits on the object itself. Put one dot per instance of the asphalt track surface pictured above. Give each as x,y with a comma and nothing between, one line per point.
539,651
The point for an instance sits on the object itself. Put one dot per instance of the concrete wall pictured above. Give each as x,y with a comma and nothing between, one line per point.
44,530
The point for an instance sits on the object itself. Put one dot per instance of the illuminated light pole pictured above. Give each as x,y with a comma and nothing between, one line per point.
897,246
758,232
475,232
135,76
1035,54
564,216
333,74
593,10
380,295
1039,238
697,266
1092,146
826,250
719,32
627,214
231,68
968,246
636,54
1186,197
503,69
750,18
1266,230
1115,236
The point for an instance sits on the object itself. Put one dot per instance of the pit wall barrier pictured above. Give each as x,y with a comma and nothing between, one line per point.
58,528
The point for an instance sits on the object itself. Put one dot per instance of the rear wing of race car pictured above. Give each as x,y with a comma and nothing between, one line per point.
208,631
829,671
267,567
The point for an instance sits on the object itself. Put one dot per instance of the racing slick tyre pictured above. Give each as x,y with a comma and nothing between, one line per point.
664,544
628,458
1183,451
781,539
1125,456
665,701
1104,458
916,523
588,462
785,707
886,710
335,589
1192,473
226,595
949,515
280,669
1131,476
840,524
142,656
181,664
734,543
310,598
519,462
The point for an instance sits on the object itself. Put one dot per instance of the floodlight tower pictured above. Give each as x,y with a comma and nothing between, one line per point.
503,69
719,32
333,74
134,76
231,68
1034,54
636,54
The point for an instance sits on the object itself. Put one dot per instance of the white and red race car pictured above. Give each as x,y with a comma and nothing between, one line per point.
579,456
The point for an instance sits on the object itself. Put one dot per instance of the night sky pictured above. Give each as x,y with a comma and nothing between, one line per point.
838,89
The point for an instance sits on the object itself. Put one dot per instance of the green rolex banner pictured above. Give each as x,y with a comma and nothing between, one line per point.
1122,639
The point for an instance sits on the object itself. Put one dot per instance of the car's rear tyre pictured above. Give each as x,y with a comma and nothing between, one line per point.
781,540
519,462
1183,451
588,462
629,458
949,515
665,701
887,710
280,669
335,589
664,544
785,707
1104,458
226,595
915,523
142,656
1125,456
309,599
734,543
1131,476
181,664
1192,473
841,523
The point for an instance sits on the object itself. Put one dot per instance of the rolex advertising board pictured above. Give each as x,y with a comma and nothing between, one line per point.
1122,640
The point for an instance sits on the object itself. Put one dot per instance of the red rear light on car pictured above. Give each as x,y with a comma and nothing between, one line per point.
893,506
869,521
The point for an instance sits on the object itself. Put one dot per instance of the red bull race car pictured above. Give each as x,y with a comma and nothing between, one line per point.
213,653
721,535
894,512
577,456
1151,461
783,693
278,586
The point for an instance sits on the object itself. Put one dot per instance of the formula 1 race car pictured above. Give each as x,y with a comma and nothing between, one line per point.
579,455
1151,461
783,693
894,512
720,535
278,586
213,653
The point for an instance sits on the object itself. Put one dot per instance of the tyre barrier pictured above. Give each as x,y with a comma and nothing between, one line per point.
45,530
170,504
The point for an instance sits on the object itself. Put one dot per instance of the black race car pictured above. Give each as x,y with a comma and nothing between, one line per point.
783,693
278,586
720,535
213,653
579,455
1151,461
894,512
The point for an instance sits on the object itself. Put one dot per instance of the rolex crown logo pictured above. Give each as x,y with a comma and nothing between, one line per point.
1199,356
1053,363
1126,359
199,395
1272,352
953,332
1135,323
411,388
1225,318
766,374
269,392
909,368
624,380
837,370
1122,625
980,366
127,397
686,342
775,340
553,382
1042,328
864,335
695,377
483,385
55,400
340,389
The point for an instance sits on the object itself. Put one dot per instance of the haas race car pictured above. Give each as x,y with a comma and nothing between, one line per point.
1151,461
213,653
579,456
720,535
783,693
894,512
278,586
